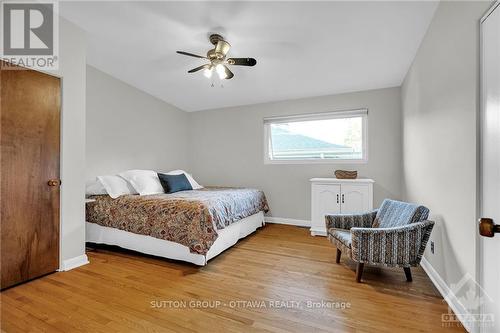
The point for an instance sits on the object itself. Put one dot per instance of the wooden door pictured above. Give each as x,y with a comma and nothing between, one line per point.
489,297
325,200
355,198
30,140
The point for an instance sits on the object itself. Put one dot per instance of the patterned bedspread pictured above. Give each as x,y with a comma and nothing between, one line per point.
190,218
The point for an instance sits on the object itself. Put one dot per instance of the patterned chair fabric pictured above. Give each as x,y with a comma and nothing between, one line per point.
394,213
343,240
399,241
348,221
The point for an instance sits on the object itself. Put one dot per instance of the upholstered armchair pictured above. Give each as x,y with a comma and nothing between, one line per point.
395,235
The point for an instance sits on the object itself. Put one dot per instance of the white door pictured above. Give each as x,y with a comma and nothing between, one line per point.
490,169
325,200
355,198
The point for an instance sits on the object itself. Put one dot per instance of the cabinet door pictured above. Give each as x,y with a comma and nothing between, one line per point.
355,198
325,200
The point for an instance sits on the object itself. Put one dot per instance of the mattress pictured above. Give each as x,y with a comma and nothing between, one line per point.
193,219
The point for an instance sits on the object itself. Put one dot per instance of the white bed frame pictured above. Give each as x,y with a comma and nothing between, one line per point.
167,249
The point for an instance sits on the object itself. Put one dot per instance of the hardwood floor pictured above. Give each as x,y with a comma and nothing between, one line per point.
122,291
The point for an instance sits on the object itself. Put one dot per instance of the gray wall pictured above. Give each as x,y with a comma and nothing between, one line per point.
227,149
72,71
129,129
440,99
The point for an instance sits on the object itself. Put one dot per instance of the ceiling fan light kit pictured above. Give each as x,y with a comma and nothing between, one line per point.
218,60
208,72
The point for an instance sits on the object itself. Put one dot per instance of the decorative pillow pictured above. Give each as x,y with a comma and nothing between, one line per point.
174,183
190,178
116,186
94,187
144,181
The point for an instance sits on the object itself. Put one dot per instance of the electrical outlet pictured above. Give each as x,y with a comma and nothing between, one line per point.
432,247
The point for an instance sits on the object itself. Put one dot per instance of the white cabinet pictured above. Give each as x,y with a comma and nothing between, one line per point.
356,198
338,196
325,200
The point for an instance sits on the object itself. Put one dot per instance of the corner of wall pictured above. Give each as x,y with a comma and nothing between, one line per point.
72,62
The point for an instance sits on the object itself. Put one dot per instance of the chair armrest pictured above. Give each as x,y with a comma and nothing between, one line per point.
348,221
395,247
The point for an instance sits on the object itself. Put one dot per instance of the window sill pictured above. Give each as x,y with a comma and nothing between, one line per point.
331,162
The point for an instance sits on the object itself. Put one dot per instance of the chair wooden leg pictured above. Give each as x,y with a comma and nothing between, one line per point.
408,274
339,253
359,271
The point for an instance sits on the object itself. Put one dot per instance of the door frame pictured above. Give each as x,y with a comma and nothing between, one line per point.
479,155
61,188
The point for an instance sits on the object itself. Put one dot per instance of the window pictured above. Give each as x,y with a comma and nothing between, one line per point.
315,138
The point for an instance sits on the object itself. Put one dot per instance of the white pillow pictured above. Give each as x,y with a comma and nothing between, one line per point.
144,181
116,186
190,178
94,187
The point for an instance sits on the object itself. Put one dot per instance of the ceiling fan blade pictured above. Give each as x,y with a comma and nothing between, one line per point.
191,55
229,74
222,47
199,68
242,61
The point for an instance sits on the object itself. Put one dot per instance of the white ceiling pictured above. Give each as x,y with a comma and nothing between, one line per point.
302,48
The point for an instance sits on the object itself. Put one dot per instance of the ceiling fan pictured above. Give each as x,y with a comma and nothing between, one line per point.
217,58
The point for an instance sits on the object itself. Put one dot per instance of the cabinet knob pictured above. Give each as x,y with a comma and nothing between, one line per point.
342,198
337,198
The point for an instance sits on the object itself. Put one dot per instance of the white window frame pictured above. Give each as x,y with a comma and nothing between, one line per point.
363,113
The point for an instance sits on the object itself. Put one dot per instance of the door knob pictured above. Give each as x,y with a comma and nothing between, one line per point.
54,182
487,228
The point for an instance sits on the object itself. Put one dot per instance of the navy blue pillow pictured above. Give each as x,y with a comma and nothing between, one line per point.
174,183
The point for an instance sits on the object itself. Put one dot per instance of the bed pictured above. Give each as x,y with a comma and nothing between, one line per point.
193,226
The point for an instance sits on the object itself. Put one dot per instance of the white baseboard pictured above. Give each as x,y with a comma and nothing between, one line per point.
75,262
449,296
283,220
318,231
